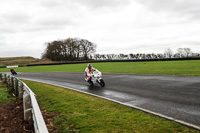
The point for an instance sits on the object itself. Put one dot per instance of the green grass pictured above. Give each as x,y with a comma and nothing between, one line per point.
190,68
87,114
5,97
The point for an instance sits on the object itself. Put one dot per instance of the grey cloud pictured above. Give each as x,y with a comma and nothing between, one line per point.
50,22
51,3
39,28
17,52
54,21
66,13
1,43
103,3
181,7
15,17
19,22
93,4
11,22
5,30
193,43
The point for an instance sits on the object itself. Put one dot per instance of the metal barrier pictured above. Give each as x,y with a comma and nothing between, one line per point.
31,108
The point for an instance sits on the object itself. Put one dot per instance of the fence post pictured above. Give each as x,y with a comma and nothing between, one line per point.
20,89
27,107
8,82
16,88
5,79
12,84
1,77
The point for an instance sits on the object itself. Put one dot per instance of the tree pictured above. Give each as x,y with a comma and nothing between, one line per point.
112,56
131,55
121,56
187,51
143,56
137,56
108,56
168,53
69,49
148,56
103,56
160,56
155,56
97,56
180,51
87,47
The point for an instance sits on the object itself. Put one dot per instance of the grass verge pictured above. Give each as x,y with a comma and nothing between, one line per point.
87,114
189,68
5,97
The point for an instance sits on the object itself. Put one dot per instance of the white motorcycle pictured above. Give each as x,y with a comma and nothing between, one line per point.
96,78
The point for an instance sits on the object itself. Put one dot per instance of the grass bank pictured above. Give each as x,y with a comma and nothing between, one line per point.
5,97
87,114
190,68
16,61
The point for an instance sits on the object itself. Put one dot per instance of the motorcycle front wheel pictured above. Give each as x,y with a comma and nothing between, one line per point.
102,83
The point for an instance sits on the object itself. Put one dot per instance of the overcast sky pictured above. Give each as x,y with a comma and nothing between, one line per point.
116,26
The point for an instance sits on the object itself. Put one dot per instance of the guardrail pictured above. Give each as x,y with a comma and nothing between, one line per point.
32,111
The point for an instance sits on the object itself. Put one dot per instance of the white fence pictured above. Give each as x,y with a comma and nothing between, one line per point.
32,111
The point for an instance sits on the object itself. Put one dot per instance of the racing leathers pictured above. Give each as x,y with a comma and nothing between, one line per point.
88,72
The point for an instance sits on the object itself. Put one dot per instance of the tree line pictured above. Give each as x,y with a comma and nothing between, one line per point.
71,49
75,49
168,53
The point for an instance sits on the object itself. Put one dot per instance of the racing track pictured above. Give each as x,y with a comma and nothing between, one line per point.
172,96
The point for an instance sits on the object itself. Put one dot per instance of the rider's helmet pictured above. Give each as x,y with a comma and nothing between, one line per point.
89,66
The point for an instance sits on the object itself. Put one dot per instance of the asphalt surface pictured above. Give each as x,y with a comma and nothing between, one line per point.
173,96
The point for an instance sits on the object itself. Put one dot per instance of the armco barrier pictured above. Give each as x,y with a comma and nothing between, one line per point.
31,109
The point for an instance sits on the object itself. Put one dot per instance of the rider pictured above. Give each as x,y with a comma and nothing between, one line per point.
89,70
12,71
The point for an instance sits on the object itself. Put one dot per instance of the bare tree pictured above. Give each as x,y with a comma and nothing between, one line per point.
131,55
168,53
187,51
112,56
180,51
148,56
87,47
97,56
103,56
160,56
137,56
143,56
121,56
109,56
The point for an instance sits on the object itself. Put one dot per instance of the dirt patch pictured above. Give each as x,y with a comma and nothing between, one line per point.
48,118
12,119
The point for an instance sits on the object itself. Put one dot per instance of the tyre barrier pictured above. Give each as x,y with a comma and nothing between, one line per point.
32,111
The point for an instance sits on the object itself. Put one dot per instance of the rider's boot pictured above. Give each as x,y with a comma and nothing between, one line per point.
90,82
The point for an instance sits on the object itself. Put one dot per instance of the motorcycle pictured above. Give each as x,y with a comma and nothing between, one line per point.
96,78
13,72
